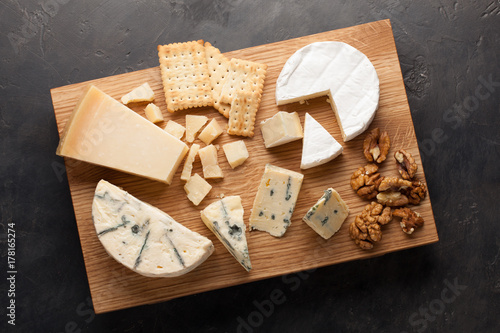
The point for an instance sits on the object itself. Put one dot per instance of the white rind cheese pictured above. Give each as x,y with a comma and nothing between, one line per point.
328,214
142,237
275,200
225,219
338,70
105,132
318,146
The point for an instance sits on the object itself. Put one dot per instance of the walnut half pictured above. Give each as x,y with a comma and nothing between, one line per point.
410,220
365,181
366,230
376,145
406,164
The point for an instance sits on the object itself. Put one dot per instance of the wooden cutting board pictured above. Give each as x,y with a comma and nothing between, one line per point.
115,287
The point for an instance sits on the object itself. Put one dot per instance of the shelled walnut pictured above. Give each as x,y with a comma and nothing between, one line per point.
376,146
416,192
392,191
406,164
365,181
365,230
410,220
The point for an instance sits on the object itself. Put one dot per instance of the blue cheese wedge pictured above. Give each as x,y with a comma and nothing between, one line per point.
144,238
225,219
328,214
275,200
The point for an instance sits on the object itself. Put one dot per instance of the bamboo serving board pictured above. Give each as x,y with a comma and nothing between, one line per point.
115,287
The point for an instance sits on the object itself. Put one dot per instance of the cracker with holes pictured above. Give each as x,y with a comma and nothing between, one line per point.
243,111
185,76
218,69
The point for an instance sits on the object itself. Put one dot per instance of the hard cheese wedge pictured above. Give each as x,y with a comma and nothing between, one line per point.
225,219
282,128
328,214
275,200
105,132
142,237
338,70
319,146
143,93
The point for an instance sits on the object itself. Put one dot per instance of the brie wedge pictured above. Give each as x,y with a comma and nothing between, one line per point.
319,146
142,237
339,71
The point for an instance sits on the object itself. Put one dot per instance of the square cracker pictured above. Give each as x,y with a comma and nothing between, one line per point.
184,72
218,69
244,108
244,76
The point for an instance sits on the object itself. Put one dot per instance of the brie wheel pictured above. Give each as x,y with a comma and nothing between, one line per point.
336,70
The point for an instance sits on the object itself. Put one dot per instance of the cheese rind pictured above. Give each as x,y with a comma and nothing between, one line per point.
105,132
328,214
282,128
210,163
193,125
275,200
318,147
144,238
197,189
143,93
153,113
338,70
236,153
225,219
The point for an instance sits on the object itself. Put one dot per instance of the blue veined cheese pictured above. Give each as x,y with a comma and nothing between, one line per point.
275,200
144,238
328,214
225,219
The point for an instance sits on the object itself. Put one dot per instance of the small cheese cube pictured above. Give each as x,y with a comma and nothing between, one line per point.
153,113
211,132
208,157
275,200
188,165
328,214
236,153
193,125
175,129
197,189
143,93
282,128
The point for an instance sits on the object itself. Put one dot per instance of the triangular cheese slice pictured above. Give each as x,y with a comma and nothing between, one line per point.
319,146
225,219
142,237
193,125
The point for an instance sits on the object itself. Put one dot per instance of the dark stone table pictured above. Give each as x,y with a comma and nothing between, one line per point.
449,53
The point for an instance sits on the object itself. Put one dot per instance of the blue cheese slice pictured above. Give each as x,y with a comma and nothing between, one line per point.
275,200
144,238
225,219
328,214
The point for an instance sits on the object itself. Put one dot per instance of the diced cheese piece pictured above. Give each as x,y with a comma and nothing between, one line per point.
211,132
338,70
236,153
197,189
328,214
188,164
143,93
153,113
225,219
193,125
275,200
282,128
319,146
208,157
175,129
144,238
105,132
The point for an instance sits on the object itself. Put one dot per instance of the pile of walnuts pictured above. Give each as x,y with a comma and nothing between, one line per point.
389,192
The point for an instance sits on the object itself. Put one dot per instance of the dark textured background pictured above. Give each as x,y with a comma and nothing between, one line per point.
447,50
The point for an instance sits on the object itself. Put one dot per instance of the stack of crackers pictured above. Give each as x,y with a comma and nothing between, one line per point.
197,74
